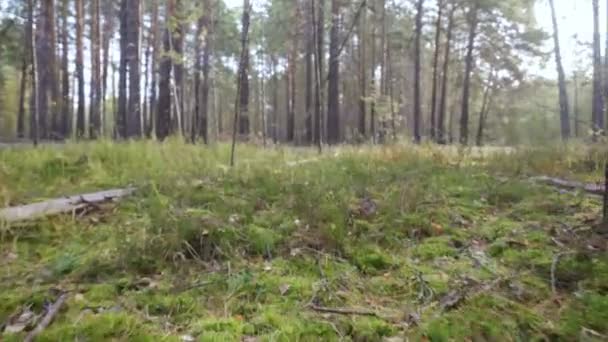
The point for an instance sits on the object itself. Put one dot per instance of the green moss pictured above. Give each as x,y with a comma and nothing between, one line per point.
434,248
591,312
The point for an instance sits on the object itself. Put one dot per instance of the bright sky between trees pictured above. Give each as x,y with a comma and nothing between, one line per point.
575,24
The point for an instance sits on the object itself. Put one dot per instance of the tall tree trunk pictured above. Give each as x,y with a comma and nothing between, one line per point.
440,5
202,66
207,52
485,103
292,72
23,87
275,101
133,56
372,94
441,136
561,77
243,82
417,72
121,118
598,100
66,101
48,67
333,78
80,114
319,20
163,113
310,47
95,90
34,114
473,22
241,103
156,38
177,45
362,75
109,15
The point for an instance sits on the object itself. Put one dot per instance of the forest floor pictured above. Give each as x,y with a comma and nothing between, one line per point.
365,244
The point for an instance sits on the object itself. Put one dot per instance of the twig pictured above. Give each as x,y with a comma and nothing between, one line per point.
344,311
48,318
554,269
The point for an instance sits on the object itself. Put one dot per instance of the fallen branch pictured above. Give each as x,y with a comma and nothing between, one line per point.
57,206
48,318
591,188
344,311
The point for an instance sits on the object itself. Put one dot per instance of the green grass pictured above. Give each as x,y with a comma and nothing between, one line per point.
221,254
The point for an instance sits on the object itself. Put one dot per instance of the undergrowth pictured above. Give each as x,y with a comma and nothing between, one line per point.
213,253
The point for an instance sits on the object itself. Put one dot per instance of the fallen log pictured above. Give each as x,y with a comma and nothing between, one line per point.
58,206
592,188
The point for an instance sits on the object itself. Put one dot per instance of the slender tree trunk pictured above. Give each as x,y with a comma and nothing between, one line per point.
318,20
241,102
109,16
333,78
485,103
243,107
133,57
80,111
441,137
417,72
292,72
310,47
95,90
598,100
362,75
469,64
163,113
177,42
121,119
66,101
207,51
34,115
47,60
156,38
440,5
372,92
23,87
563,93
275,101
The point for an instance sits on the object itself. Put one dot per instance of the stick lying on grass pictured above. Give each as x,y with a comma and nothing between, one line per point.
48,318
60,205
592,188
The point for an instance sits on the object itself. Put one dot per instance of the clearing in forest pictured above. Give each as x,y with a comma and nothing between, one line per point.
371,244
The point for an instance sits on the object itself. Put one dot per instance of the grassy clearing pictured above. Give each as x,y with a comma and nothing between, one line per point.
449,245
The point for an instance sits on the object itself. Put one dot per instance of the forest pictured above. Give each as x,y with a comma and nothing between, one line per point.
303,170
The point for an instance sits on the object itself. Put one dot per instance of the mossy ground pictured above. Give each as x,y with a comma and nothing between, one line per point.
220,254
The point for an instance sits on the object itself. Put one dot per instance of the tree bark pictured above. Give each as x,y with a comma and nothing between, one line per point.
473,22
598,100
133,56
440,5
333,78
441,137
80,111
23,87
292,72
576,107
362,123
34,110
163,114
156,38
202,66
66,101
561,77
318,20
310,47
109,14
417,72
485,105
95,90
